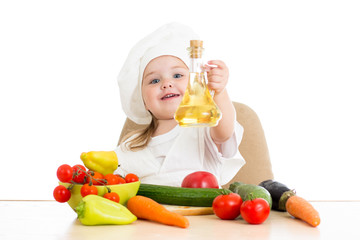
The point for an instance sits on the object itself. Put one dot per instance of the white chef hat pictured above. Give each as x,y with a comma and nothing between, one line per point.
170,39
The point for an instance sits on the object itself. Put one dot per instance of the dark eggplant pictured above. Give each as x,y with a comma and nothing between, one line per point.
279,192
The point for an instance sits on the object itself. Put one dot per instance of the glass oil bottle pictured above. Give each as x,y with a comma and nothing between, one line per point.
197,108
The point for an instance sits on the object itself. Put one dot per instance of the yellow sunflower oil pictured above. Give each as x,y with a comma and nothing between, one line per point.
197,108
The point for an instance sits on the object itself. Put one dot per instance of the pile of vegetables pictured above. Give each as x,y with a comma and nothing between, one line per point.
252,202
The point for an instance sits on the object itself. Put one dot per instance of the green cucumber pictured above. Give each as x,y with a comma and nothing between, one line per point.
198,197
250,191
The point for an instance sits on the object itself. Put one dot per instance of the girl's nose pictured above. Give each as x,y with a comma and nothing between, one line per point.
167,84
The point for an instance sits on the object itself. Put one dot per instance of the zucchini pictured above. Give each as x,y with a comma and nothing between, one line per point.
198,197
250,191
279,192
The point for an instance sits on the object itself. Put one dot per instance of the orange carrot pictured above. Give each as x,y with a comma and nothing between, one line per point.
146,208
302,209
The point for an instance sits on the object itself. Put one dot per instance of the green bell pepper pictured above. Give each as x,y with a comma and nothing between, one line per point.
96,210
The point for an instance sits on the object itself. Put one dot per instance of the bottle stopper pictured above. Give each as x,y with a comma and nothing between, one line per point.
196,48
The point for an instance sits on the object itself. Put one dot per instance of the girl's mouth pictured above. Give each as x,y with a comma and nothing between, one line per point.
170,95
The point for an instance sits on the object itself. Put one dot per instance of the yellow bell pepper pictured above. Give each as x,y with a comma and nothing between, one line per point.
104,162
96,210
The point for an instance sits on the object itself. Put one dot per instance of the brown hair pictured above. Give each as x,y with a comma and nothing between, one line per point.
142,138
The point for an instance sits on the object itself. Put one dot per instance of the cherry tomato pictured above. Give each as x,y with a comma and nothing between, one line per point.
200,179
120,179
227,206
97,178
86,189
64,173
61,194
111,179
113,196
255,211
130,177
79,173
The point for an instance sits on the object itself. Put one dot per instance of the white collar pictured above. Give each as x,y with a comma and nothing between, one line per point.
165,137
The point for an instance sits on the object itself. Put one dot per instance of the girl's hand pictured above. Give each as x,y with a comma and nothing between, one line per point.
217,76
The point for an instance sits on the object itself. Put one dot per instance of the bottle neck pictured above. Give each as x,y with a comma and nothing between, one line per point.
196,65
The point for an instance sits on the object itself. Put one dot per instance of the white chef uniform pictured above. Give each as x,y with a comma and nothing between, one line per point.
170,157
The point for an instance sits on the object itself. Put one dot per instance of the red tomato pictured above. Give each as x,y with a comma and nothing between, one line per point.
255,211
86,189
120,179
113,196
227,206
130,177
97,178
64,173
111,179
200,179
61,194
79,173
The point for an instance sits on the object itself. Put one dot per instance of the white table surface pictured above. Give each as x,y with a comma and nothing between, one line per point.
52,220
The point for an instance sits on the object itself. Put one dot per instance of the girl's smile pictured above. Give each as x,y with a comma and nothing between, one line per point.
170,96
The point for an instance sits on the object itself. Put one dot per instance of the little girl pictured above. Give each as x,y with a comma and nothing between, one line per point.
152,83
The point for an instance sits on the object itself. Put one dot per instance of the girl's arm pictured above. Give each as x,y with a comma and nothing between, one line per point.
217,80
225,128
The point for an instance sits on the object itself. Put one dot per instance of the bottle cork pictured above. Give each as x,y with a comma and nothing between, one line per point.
196,43
196,48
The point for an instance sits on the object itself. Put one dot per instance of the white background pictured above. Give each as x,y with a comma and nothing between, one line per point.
296,63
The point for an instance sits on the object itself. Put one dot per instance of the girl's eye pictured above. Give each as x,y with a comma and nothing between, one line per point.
178,75
154,81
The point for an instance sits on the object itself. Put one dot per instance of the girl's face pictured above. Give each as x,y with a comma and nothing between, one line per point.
164,83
